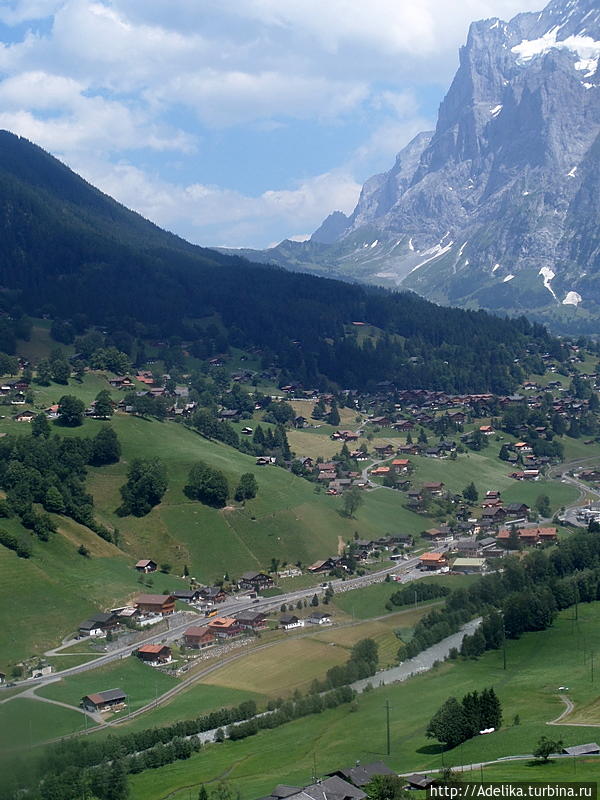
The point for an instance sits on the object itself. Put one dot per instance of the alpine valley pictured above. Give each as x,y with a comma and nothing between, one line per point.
497,208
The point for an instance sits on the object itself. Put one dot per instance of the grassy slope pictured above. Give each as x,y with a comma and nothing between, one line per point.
57,588
25,723
528,688
142,683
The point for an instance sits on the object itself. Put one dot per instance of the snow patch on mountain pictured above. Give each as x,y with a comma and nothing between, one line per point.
508,278
547,276
572,299
436,252
584,47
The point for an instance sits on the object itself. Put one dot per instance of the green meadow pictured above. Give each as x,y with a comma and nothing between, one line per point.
528,690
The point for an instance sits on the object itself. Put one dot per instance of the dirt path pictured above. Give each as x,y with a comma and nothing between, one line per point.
569,706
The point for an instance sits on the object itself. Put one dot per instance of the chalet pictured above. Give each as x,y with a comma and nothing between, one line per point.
251,620
187,595
52,411
146,565
419,781
401,465
362,774
255,580
434,535
332,788
494,514
247,431
154,654
531,474
457,417
229,414
517,510
99,624
224,627
148,604
198,638
436,489
300,422
263,461
325,476
383,422
522,447
319,618
403,425
381,471
325,565
213,594
491,502
487,430
431,561
468,548
290,621
24,416
103,701
384,451
409,449
547,534
121,382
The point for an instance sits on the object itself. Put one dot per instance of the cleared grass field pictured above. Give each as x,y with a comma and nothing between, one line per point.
529,688
193,702
370,601
278,671
141,682
25,723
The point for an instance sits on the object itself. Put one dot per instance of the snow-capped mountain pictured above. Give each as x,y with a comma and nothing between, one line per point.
499,207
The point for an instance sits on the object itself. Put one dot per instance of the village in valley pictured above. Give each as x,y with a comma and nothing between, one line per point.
422,493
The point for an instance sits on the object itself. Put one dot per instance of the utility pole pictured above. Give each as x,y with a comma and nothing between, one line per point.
387,715
592,664
503,646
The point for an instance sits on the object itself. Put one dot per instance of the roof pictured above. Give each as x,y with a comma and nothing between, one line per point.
97,621
320,615
362,774
196,630
153,599
110,695
582,749
422,781
222,622
469,562
152,649
145,562
432,557
250,616
281,790
285,619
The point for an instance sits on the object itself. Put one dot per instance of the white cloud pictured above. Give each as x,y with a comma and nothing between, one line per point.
79,121
104,78
226,98
196,208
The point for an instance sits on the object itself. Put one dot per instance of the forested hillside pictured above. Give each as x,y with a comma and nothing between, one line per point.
66,249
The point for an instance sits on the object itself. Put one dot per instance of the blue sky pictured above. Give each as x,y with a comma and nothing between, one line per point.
231,122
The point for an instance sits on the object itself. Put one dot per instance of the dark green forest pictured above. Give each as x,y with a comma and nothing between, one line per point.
67,250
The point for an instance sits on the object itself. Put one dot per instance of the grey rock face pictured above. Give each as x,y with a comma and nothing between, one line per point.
499,207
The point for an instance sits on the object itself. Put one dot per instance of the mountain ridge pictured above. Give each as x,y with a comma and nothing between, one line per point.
497,208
